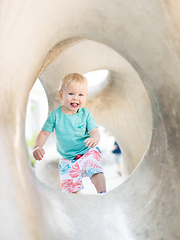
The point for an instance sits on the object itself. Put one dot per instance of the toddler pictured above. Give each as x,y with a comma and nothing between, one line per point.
77,137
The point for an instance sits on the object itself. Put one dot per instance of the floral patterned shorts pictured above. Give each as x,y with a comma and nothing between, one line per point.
72,171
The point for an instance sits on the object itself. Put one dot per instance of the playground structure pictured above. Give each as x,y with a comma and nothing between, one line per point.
138,42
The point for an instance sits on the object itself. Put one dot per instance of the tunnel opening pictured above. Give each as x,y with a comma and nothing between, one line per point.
117,99
99,81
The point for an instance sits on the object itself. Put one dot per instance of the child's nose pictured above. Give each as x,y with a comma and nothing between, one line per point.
75,96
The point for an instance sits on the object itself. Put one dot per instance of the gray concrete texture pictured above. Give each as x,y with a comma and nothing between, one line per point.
138,42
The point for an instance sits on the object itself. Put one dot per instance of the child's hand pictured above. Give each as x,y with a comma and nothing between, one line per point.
38,153
91,142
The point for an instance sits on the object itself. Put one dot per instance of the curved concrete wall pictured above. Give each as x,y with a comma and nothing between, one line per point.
146,34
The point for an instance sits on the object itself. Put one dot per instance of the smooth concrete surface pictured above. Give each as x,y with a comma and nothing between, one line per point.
146,35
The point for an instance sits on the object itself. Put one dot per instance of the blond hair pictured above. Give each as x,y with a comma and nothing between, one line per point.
72,78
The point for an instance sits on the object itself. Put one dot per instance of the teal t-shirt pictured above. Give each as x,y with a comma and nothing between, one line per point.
71,131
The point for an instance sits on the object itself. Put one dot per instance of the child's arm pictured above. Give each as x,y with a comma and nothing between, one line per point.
39,152
94,138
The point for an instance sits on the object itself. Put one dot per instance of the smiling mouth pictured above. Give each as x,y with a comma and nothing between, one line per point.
74,104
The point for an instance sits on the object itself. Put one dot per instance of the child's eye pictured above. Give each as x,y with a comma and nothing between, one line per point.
70,93
80,94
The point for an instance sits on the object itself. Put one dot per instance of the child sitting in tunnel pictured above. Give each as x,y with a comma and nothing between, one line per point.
77,137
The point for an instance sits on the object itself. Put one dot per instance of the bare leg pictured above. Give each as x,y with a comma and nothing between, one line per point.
99,182
120,165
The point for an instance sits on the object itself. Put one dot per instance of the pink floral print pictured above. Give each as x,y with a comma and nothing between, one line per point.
71,172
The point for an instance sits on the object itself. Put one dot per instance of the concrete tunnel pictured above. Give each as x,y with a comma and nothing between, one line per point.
138,42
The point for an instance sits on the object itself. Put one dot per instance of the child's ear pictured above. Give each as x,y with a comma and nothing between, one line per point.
61,94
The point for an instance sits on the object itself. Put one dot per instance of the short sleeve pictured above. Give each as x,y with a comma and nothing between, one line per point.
90,123
49,125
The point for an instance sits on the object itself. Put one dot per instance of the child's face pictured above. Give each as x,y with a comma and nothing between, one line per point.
73,97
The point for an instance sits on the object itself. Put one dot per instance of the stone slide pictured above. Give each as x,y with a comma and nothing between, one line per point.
138,42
